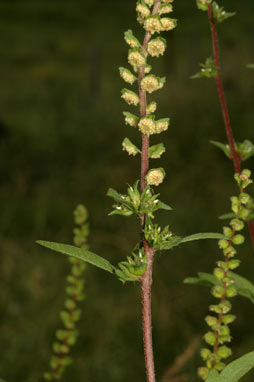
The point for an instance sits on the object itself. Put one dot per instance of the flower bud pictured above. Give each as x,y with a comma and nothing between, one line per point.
237,224
156,151
227,232
165,8
225,306
228,319
223,265
131,40
130,147
223,243
130,97
156,47
244,198
238,239
130,119
223,330
243,213
151,108
215,308
233,264
210,338
149,2
218,291
143,10
152,24
229,251
231,291
162,125
127,76
211,320
136,58
203,373
224,352
205,353
150,83
147,125
155,176
168,24
219,366
245,174
219,273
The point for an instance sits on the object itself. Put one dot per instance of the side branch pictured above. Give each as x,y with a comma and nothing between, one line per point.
223,104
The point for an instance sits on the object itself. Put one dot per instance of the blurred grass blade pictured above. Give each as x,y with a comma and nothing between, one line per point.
79,253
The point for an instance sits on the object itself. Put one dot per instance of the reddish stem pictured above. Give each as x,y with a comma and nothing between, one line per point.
149,252
222,98
223,103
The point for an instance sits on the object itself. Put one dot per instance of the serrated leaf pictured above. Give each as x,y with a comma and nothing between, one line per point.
237,369
244,287
202,236
79,253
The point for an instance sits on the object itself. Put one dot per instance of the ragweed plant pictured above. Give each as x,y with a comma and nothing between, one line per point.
67,335
235,151
226,284
140,200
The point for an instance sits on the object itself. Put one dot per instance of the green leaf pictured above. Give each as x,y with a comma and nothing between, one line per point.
203,278
163,206
202,236
213,376
224,148
244,287
237,369
250,66
79,253
228,215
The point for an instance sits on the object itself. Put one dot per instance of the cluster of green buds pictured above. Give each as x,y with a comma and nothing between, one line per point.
153,16
66,337
132,269
219,14
208,70
158,238
219,332
136,202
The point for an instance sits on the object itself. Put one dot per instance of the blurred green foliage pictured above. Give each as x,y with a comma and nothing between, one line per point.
61,129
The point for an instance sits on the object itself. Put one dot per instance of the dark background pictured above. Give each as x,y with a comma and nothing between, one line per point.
61,129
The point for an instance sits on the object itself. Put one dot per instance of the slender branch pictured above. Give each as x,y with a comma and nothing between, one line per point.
223,103
220,89
149,252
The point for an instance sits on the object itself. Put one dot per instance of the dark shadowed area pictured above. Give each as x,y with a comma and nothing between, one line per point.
61,129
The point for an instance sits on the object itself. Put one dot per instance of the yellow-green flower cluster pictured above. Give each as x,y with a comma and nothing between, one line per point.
154,19
225,288
130,97
156,47
152,83
127,76
155,176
